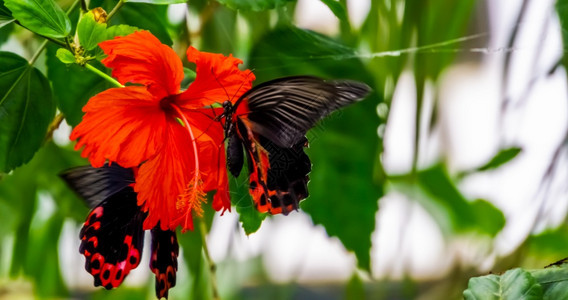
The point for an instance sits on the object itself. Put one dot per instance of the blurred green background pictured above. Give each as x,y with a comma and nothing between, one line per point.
461,145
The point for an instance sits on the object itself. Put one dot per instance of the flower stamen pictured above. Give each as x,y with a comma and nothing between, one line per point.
193,196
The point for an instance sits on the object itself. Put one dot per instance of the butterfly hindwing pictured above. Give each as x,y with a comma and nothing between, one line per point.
287,177
112,238
284,109
278,176
163,262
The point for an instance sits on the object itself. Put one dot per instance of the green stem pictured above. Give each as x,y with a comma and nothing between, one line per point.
84,7
57,42
38,52
419,81
103,75
53,126
43,36
210,262
115,9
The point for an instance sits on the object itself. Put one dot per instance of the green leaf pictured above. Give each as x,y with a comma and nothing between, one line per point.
516,284
90,32
5,15
119,30
6,23
549,244
139,14
503,157
488,218
65,56
254,5
26,109
437,193
337,8
4,11
220,31
158,2
485,287
112,32
554,281
249,217
444,193
188,77
289,51
73,86
343,195
464,215
43,17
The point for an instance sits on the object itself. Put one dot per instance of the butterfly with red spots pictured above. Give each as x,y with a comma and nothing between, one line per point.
112,237
270,121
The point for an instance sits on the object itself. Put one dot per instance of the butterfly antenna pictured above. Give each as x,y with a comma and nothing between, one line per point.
206,115
219,83
240,86
223,87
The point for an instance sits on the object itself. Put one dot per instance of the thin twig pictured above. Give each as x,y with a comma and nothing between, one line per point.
115,9
419,81
210,262
508,55
53,126
207,13
59,117
103,75
55,41
38,52
84,7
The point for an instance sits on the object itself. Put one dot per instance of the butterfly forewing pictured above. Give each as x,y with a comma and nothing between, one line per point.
97,184
163,262
283,110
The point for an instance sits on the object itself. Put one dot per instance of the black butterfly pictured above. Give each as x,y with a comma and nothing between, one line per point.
112,237
272,131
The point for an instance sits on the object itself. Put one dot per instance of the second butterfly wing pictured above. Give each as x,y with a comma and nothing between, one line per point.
112,237
272,129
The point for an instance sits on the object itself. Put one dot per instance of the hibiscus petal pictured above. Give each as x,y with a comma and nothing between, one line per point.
161,180
218,79
141,58
123,125
222,199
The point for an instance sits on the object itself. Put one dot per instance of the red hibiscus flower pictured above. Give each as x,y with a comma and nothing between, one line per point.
168,136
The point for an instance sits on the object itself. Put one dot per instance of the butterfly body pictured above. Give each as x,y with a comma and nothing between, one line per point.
270,122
